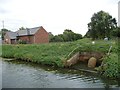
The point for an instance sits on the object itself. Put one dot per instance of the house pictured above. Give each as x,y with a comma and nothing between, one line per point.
29,35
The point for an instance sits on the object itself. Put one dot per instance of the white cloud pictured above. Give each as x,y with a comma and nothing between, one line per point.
54,15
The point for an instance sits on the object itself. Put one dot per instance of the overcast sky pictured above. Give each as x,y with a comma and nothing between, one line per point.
54,15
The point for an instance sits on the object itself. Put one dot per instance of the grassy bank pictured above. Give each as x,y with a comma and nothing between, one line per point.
56,53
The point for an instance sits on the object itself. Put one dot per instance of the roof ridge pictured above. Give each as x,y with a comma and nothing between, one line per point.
31,31
30,28
10,31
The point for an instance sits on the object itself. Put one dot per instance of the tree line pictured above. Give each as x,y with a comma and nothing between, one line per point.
68,35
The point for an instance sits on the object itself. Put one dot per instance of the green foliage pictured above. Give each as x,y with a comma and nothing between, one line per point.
56,54
116,32
3,31
68,35
101,25
22,42
9,51
57,38
50,36
18,56
51,54
22,28
112,66
0,50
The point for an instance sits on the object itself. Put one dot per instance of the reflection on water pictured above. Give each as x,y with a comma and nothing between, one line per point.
28,75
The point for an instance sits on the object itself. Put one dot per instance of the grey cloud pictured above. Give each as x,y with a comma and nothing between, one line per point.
3,5
3,11
4,1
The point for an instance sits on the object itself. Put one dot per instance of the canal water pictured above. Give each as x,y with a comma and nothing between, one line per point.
19,74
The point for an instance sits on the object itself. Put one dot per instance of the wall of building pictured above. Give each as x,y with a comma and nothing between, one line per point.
41,36
13,41
28,39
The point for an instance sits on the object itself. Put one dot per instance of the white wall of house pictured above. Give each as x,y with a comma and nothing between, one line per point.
119,13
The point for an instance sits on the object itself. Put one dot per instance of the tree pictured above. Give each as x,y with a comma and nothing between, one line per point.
22,28
101,25
116,32
50,36
57,38
68,35
77,36
3,31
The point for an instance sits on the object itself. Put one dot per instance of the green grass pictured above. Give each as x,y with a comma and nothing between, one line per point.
112,66
51,54
57,53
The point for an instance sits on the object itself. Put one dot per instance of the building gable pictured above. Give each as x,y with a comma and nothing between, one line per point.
41,36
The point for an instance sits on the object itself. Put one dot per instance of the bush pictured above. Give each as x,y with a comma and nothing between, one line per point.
22,42
111,66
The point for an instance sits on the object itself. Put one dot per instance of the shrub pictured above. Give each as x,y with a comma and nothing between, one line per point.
22,42
112,66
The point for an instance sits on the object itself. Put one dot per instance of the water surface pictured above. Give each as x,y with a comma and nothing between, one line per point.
19,74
